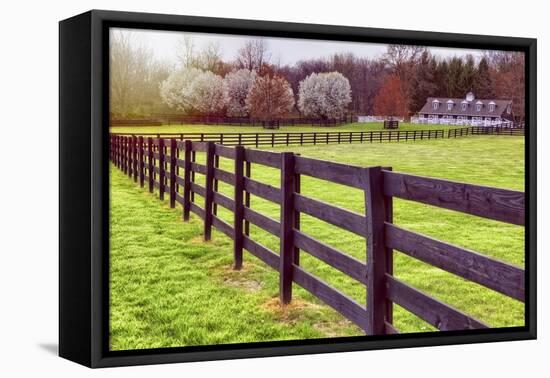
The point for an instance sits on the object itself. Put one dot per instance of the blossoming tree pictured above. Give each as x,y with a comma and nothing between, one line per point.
324,95
237,86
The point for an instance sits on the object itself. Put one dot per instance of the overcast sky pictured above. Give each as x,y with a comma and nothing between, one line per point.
283,50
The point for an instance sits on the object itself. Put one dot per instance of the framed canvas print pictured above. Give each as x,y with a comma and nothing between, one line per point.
234,188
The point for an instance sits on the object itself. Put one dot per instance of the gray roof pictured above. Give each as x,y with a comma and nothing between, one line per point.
500,107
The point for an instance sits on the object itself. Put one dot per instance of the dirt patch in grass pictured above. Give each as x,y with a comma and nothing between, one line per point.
199,239
239,278
289,313
333,329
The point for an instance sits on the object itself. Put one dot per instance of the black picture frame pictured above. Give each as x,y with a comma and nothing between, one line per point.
84,188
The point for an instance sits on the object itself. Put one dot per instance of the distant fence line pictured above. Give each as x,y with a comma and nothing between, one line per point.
171,119
466,122
319,138
170,166
371,118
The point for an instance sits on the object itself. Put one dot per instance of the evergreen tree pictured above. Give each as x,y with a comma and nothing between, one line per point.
441,81
424,81
484,84
454,85
468,77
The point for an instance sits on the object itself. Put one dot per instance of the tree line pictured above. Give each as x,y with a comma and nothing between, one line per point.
253,83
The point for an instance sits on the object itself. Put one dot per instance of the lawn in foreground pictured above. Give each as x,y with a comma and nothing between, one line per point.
258,129
168,288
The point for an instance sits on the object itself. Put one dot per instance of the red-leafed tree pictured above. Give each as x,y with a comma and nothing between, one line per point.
270,98
390,100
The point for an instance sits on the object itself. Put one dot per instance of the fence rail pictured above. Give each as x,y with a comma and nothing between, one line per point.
170,166
320,138
174,119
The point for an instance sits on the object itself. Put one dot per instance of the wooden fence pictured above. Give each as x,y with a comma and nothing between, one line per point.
170,166
302,138
319,138
175,119
485,130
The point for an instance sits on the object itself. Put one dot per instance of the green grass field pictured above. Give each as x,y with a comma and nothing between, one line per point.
258,129
169,288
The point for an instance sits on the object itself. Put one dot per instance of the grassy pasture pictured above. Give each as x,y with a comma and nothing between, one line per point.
169,288
258,129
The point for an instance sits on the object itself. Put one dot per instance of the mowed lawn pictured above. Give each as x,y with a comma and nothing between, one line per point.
169,288
188,128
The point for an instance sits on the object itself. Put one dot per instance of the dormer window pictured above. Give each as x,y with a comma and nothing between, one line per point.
492,106
435,104
450,104
479,104
464,106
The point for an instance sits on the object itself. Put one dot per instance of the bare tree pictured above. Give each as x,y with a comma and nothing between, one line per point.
254,55
402,60
186,52
130,68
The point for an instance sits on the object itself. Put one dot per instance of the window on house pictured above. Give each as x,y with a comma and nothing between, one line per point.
478,107
464,106
435,105
449,106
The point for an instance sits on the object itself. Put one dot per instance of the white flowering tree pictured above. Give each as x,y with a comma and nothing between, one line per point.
237,86
207,93
324,95
175,91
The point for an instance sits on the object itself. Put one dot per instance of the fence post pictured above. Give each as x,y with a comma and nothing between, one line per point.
173,147
187,180
115,150
377,207
130,156
216,165
209,189
238,213
134,158
150,164
193,159
247,173
162,173
123,157
141,162
287,225
297,189
127,155
119,152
